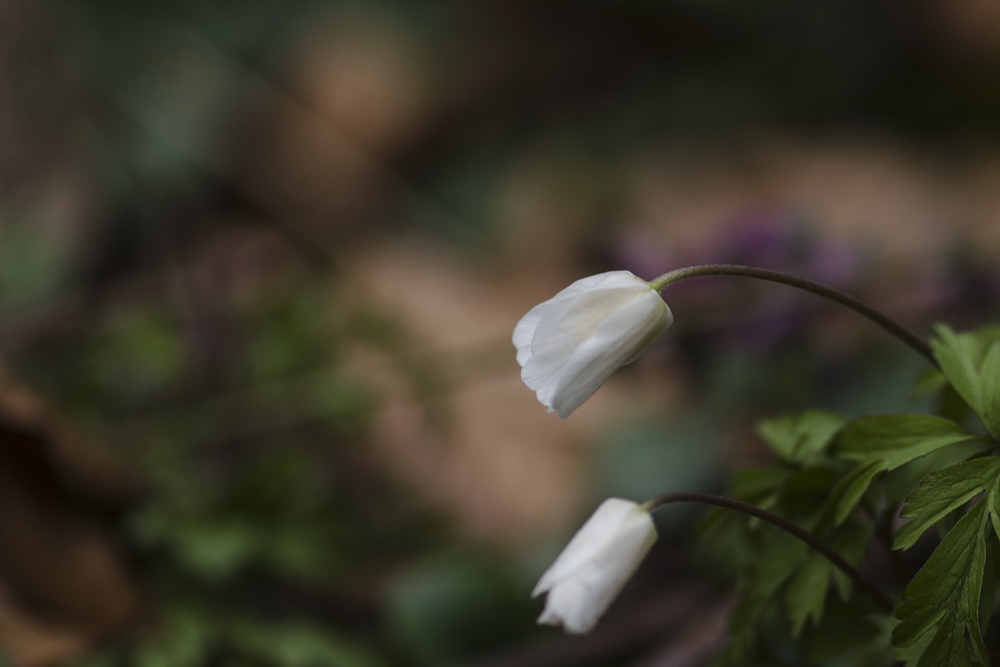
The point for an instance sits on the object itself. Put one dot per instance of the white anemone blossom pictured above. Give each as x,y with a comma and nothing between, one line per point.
570,345
595,565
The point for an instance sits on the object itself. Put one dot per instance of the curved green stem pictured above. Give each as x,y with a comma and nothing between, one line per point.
875,316
784,524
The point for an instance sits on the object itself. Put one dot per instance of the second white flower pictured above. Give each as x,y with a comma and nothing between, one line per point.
595,565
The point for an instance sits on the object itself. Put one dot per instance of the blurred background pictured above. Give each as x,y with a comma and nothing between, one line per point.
260,262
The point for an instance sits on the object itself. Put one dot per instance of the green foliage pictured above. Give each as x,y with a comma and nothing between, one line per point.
882,443
800,438
807,591
942,492
777,556
895,440
781,570
945,594
971,364
266,532
848,492
264,535
842,479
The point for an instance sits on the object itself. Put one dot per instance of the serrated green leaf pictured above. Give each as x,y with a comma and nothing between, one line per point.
994,500
806,592
934,592
971,600
989,379
909,655
898,439
989,579
958,356
971,363
943,491
900,483
776,560
800,438
949,647
946,592
779,556
852,487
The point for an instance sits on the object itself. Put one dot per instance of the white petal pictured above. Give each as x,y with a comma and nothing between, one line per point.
548,319
618,340
606,280
599,530
581,600
571,344
559,340
595,565
570,605
525,331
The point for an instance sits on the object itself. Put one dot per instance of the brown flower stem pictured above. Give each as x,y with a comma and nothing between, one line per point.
875,316
784,524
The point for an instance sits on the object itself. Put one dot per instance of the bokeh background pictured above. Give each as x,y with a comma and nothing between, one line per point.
260,262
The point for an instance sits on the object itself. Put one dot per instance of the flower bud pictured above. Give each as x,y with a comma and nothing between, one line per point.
570,345
595,565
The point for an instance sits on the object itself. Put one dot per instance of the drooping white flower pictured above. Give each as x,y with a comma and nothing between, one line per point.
570,345
595,565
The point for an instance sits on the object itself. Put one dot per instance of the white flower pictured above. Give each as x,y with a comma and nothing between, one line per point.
570,345
594,566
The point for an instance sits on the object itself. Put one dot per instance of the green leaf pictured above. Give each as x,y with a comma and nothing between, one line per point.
958,356
848,492
993,498
943,491
949,647
777,557
800,438
807,591
989,575
881,443
971,363
909,655
900,483
989,408
898,439
946,593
